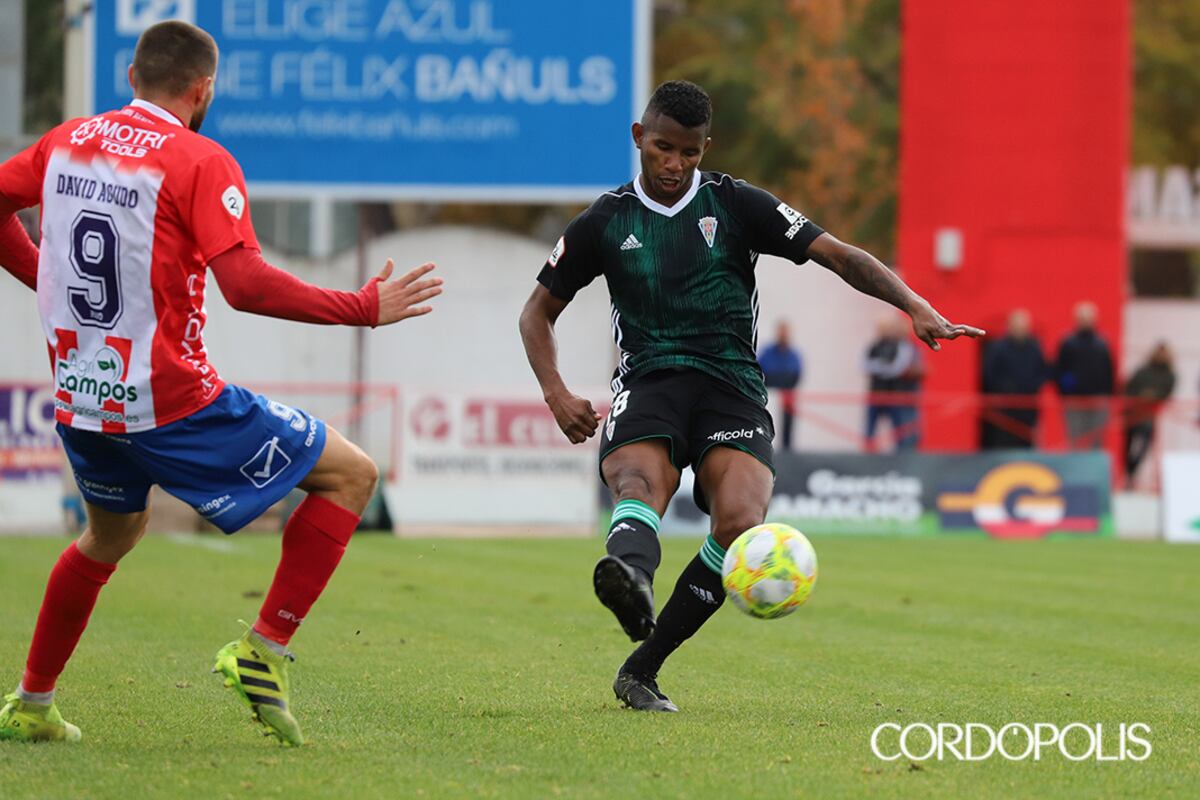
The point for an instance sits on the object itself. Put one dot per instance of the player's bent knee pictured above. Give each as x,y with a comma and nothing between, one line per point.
728,528
109,546
637,485
370,476
362,479
632,485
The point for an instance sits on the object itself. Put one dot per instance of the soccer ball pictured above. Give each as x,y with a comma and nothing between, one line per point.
769,570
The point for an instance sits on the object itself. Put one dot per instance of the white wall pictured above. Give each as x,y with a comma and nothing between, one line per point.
470,341
250,349
24,356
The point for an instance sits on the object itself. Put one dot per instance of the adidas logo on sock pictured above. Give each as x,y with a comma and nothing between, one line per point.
704,594
631,243
624,526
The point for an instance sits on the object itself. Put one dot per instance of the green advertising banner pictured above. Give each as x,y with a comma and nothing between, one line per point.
1004,495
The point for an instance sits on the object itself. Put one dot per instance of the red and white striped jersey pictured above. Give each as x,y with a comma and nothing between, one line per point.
134,206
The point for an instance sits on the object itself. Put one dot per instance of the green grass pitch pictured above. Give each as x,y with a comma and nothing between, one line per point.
482,669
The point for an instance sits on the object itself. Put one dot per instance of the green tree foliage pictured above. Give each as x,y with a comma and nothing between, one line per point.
806,100
43,64
1166,97
1166,124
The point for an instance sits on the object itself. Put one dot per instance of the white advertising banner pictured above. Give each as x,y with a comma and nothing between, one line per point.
490,461
1181,497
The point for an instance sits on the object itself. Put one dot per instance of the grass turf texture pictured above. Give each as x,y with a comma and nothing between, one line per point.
482,669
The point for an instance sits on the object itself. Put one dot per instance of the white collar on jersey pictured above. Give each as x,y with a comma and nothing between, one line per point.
158,111
667,211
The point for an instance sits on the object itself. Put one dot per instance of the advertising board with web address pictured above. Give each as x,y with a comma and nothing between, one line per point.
453,99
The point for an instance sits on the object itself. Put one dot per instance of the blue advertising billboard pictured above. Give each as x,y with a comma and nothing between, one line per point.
420,99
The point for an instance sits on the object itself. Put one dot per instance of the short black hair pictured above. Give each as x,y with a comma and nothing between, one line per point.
171,55
682,101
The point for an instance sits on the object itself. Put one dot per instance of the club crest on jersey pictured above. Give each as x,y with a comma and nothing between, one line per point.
708,227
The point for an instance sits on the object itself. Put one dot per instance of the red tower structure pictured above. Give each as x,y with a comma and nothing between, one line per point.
1015,122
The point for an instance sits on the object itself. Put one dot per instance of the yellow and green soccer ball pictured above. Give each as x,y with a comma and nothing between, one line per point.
770,570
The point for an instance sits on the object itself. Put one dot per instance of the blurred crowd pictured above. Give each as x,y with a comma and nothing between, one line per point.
1015,369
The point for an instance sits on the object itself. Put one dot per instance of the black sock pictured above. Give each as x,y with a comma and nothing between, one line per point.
697,596
633,536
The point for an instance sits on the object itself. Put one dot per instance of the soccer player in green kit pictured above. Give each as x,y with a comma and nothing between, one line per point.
678,248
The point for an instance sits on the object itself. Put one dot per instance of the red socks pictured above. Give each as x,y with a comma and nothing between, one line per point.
75,583
314,540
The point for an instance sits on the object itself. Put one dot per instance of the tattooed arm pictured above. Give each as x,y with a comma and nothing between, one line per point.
866,273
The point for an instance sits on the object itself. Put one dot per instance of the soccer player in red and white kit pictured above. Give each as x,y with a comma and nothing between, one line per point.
135,205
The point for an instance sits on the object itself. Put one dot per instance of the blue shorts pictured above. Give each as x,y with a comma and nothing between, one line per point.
231,460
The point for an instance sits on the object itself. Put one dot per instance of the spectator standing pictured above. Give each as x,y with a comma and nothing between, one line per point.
783,369
1014,365
893,365
1146,391
1084,372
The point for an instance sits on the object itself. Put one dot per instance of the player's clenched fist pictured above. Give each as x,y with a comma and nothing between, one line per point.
402,298
575,416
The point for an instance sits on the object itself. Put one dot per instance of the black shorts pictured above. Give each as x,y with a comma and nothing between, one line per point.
694,412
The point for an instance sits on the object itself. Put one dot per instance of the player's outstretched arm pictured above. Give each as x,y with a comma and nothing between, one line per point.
866,273
574,414
251,284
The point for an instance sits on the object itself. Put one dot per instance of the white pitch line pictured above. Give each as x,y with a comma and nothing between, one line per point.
205,542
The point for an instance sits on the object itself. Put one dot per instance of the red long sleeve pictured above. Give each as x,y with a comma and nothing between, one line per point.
18,254
250,284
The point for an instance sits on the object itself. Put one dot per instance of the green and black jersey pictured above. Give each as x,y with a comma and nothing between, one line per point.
681,279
